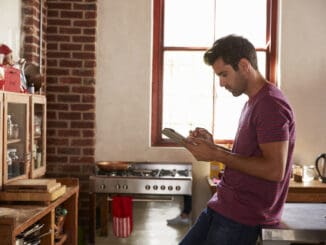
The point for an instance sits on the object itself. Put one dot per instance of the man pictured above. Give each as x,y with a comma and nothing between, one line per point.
254,186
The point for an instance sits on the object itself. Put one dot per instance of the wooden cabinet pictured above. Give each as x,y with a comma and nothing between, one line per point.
23,136
38,135
15,219
16,135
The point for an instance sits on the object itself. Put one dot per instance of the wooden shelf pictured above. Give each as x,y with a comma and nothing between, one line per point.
16,218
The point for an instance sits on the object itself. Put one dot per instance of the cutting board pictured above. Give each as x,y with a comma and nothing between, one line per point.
46,185
33,196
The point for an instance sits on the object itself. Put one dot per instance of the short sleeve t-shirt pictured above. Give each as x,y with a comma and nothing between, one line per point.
266,117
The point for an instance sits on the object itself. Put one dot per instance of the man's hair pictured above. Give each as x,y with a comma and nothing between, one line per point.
231,49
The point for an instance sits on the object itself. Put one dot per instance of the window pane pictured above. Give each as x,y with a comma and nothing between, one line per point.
245,18
189,23
261,57
187,91
226,123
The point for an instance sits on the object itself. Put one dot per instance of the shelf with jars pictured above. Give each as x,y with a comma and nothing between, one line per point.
23,125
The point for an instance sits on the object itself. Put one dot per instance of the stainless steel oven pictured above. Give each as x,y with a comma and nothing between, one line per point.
152,181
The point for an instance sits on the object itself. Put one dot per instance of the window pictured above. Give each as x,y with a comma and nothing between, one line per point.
185,92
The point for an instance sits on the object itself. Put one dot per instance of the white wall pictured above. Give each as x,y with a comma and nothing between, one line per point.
10,19
303,73
123,89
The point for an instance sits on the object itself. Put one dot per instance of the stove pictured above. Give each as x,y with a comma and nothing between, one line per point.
145,178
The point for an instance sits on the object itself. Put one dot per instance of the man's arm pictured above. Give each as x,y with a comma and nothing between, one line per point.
270,165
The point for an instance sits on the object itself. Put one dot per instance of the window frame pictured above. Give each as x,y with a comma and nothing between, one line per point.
157,64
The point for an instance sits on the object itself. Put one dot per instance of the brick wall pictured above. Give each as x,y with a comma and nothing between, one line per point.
69,62
70,90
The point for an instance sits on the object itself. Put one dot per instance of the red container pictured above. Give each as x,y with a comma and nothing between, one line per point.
11,80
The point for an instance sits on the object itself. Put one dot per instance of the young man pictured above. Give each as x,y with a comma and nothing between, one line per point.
254,186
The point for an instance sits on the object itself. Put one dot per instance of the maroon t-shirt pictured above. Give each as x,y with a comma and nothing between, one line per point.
266,117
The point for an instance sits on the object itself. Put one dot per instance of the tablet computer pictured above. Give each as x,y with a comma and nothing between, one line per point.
175,136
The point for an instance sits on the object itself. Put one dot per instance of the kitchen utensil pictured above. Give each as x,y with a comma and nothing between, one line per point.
112,166
321,167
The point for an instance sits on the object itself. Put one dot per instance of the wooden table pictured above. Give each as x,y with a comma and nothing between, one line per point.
16,218
305,192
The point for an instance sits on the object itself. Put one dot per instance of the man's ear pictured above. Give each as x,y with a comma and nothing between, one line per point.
244,64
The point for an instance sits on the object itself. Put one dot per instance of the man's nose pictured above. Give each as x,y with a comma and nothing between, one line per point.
222,82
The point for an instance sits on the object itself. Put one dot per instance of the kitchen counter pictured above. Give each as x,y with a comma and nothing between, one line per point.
302,223
305,192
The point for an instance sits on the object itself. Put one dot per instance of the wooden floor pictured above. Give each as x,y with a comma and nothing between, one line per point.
150,226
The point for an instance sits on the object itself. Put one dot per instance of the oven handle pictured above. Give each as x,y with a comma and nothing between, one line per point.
147,198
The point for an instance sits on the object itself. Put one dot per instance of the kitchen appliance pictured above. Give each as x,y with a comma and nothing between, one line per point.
144,182
321,167
146,179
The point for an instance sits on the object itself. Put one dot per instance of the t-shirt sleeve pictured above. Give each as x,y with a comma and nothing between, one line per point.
273,121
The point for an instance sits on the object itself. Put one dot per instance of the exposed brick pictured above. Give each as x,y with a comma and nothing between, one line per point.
71,14
83,90
88,116
82,142
69,151
57,72
83,39
85,6
69,133
81,159
55,5
56,124
89,151
90,15
70,80
57,107
57,88
84,72
88,98
58,38
59,22
53,13
81,124
70,30
84,55
85,23
70,116
68,98
70,63
82,107
88,133
89,31
57,141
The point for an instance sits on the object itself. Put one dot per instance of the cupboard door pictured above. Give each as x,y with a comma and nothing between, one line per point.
16,153
38,136
1,138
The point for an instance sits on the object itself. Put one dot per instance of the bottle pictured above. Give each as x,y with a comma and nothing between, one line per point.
31,88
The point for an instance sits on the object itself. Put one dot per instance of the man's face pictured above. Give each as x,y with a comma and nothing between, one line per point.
230,79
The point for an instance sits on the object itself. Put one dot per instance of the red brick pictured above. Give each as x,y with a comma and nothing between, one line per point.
69,133
82,107
88,116
69,116
80,142
69,151
82,125
70,63
84,55
83,90
71,14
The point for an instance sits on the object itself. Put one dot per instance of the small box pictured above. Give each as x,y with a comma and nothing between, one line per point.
10,79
